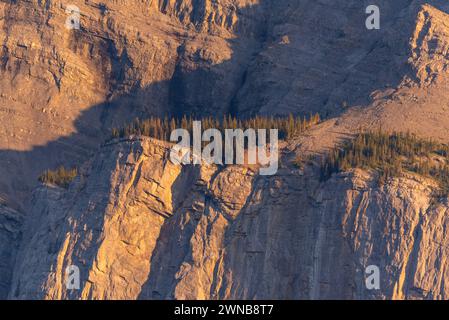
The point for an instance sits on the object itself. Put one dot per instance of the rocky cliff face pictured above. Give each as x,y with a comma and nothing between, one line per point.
62,89
10,236
138,226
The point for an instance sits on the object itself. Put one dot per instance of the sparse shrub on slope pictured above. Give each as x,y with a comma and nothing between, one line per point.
390,155
60,177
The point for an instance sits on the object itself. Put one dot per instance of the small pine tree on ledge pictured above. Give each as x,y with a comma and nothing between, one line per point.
60,177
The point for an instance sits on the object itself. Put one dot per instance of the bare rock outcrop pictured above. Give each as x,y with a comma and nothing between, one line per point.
138,226
10,237
62,89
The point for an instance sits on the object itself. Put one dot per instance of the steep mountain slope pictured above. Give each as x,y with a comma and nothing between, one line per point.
138,226
61,89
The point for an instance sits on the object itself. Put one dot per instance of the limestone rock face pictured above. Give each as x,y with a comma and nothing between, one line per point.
10,236
63,89
139,227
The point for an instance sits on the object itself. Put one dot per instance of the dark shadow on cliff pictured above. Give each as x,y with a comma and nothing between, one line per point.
207,90
197,92
172,250
196,210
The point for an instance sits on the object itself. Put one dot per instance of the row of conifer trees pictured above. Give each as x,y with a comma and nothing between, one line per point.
391,155
161,128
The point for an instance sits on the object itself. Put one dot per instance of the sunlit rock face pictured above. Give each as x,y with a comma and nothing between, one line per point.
139,227
62,89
